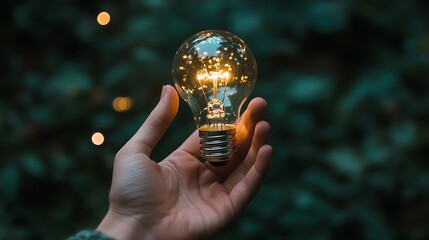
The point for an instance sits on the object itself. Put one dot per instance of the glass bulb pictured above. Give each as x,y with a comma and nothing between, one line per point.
214,72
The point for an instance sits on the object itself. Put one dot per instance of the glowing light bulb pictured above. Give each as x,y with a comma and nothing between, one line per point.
214,72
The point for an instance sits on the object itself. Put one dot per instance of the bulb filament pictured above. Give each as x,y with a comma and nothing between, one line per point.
215,107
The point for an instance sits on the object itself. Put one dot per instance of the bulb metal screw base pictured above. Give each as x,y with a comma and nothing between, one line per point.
217,147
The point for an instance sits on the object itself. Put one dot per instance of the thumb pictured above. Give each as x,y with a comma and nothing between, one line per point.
155,126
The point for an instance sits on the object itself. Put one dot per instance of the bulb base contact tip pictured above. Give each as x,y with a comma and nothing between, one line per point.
217,147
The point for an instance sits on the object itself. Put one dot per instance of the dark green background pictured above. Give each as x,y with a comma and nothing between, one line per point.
347,85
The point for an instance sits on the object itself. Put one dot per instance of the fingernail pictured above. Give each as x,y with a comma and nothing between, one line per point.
163,91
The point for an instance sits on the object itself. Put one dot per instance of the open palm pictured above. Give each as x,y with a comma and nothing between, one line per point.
180,197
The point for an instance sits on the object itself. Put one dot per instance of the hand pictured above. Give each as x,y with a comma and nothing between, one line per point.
182,198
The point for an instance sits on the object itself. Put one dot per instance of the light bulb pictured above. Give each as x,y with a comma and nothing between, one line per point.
214,72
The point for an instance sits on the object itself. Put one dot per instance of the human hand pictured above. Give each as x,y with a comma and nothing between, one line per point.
180,197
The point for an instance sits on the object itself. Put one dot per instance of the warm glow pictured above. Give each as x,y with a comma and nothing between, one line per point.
217,128
97,138
212,75
103,18
121,104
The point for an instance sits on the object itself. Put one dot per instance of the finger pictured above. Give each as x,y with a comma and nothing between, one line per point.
155,126
245,190
260,138
245,129
244,135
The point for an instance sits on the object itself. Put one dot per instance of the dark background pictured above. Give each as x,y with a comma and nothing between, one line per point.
347,85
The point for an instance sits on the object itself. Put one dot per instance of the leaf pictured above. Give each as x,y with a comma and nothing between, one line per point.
33,165
9,181
309,89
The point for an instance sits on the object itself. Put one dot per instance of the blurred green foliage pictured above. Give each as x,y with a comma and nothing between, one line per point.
347,84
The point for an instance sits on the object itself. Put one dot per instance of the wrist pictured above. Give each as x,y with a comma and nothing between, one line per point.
123,227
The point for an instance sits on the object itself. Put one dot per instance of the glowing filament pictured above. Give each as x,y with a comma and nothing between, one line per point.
212,76
215,107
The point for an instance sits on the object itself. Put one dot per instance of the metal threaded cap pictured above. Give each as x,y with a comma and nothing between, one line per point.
217,147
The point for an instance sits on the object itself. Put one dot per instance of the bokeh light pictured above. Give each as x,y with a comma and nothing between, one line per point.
103,18
97,138
121,104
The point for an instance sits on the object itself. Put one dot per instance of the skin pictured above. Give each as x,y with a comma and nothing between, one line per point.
180,197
